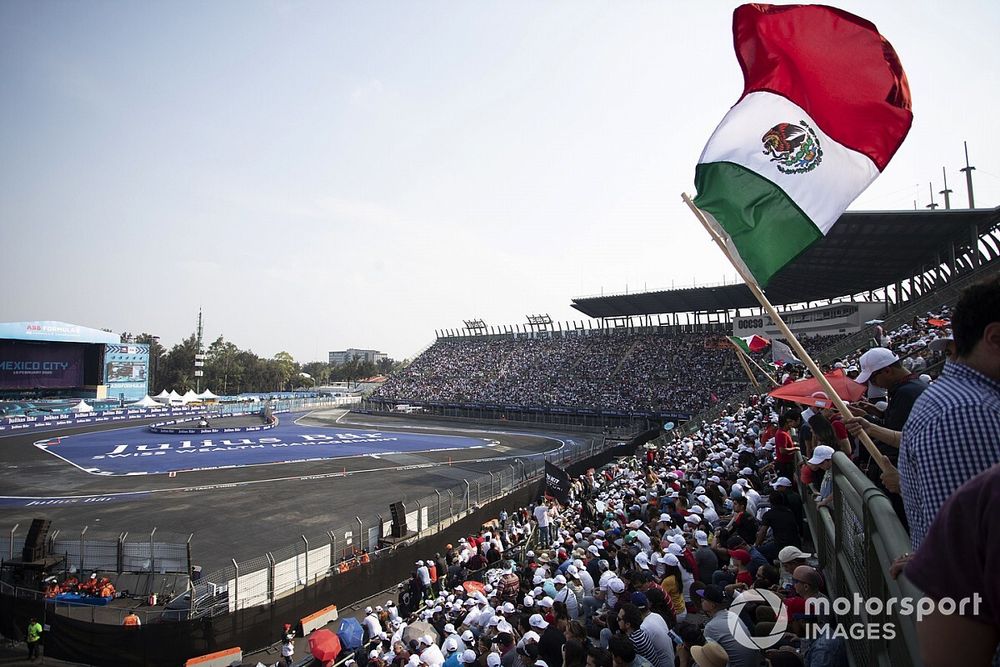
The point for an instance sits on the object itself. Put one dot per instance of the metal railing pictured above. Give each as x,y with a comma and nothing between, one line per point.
856,541
281,572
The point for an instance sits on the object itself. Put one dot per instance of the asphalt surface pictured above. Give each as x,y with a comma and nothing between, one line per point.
244,512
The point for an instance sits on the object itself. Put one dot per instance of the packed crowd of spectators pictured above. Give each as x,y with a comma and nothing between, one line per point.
673,557
628,372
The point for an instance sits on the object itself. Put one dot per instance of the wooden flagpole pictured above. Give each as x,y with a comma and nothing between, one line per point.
786,332
746,366
761,368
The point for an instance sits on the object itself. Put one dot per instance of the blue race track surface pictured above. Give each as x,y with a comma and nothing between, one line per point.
136,451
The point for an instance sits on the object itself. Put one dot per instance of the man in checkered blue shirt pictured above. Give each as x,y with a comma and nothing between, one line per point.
953,431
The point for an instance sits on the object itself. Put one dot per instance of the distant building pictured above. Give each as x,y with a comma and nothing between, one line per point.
340,357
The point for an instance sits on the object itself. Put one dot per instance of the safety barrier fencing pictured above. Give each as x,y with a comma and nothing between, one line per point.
856,541
17,424
284,571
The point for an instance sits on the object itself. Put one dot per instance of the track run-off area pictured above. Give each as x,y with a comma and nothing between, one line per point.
241,492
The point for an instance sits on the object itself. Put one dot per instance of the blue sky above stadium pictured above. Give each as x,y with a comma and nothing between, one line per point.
326,175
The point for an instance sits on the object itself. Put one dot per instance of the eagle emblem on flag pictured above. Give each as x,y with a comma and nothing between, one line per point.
795,148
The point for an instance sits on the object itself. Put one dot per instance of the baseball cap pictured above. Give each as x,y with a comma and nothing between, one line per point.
742,555
536,621
469,656
781,482
875,360
821,454
493,660
712,593
788,554
451,644
701,537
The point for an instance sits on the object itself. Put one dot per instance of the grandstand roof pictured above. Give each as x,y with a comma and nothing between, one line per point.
864,251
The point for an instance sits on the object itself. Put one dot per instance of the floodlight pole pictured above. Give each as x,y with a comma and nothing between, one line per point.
947,191
968,176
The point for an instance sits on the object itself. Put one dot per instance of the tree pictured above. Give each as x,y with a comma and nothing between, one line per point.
287,369
177,367
156,354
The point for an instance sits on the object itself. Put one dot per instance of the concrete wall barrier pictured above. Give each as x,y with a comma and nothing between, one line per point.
226,658
318,619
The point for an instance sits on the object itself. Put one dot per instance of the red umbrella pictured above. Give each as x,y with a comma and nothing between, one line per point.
324,645
811,392
474,587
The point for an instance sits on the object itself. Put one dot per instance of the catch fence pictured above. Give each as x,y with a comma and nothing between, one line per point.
856,541
284,571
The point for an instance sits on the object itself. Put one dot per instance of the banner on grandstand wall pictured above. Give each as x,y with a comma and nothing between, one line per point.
49,366
556,483
126,370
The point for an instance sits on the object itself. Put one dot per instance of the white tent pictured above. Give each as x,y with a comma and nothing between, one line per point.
81,407
174,396
207,395
146,402
190,396
163,394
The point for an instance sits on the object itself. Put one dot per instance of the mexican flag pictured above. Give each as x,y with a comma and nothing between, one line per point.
825,106
750,344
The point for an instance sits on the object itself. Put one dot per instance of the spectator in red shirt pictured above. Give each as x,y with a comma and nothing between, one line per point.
784,446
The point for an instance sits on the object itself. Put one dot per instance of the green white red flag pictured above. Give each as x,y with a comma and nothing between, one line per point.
750,344
825,106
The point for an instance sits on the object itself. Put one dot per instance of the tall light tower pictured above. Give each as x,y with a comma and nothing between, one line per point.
199,357
947,191
968,175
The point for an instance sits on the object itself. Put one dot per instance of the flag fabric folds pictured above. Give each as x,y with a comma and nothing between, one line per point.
782,354
750,344
825,106
557,482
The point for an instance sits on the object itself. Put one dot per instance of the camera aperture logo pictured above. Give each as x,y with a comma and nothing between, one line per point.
854,617
739,630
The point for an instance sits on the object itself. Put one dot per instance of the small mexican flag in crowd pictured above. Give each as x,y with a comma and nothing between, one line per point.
750,344
825,106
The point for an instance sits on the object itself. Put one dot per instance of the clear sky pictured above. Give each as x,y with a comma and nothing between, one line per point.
322,175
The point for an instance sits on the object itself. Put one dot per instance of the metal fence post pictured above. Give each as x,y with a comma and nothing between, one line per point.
190,567
420,515
468,494
120,556
439,508
380,531
270,576
333,548
451,503
152,554
12,531
306,542
492,480
361,532
236,586
83,538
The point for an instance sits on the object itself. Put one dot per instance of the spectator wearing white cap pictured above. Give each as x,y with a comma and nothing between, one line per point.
452,653
705,556
882,368
450,633
784,486
430,653
372,626
424,574
567,597
822,459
